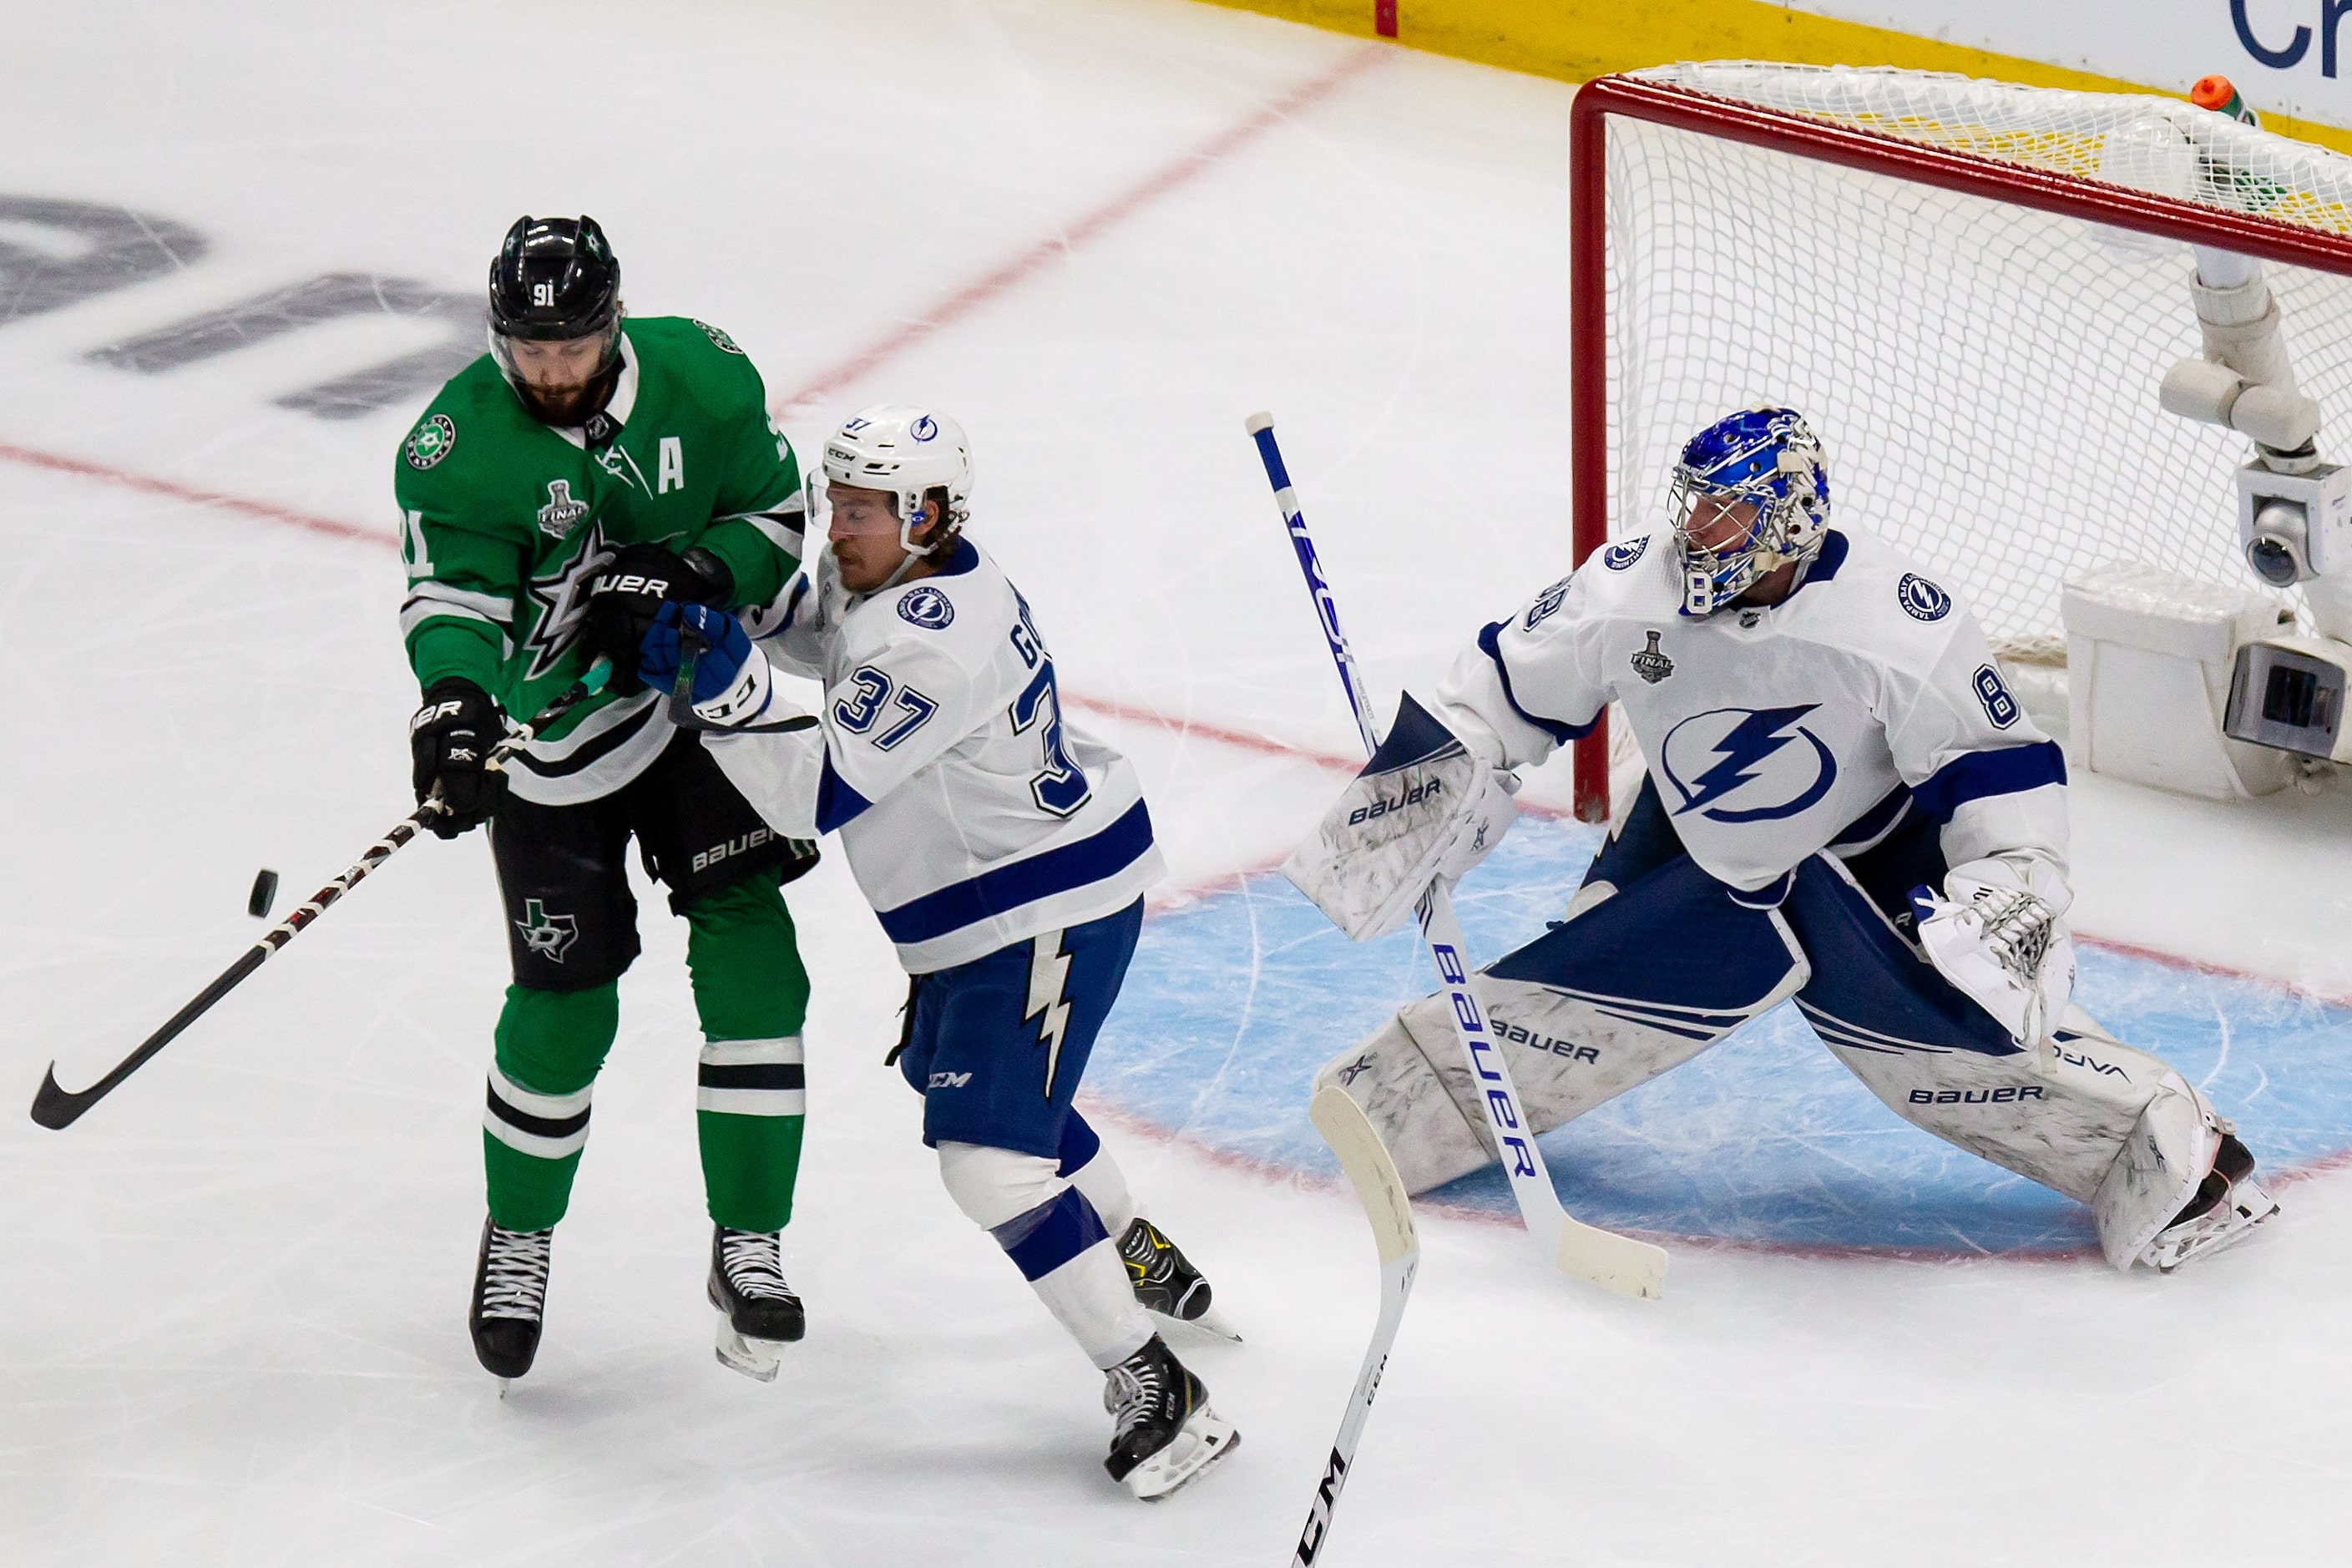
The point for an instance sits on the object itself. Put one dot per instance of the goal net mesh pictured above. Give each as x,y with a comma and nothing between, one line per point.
1983,375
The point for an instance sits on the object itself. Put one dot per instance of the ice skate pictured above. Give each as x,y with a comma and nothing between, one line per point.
1166,1432
1165,1281
758,1314
2227,1207
509,1298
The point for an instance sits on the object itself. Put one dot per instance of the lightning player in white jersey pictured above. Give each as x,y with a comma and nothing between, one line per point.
1005,853
1844,804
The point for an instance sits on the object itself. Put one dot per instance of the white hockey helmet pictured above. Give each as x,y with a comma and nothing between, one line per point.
908,452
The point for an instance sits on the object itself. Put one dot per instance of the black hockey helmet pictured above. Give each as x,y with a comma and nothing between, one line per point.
555,278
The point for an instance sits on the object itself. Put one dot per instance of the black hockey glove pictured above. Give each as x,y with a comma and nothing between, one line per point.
449,742
628,594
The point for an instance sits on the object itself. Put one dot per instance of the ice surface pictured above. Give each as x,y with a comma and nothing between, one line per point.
231,1310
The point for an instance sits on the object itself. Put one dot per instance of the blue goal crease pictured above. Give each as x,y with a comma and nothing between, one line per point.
1236,998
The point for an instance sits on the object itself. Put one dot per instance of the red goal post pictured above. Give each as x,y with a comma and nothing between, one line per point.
1985,149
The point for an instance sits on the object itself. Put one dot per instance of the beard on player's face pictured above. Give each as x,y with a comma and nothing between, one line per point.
561,379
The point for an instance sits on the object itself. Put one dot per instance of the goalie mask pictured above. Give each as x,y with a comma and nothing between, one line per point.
908,453
1750,494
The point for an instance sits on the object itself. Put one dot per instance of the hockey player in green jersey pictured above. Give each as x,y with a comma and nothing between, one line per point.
556,492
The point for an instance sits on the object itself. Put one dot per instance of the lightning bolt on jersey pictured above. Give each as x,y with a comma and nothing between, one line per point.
974,815
505,522
1773,732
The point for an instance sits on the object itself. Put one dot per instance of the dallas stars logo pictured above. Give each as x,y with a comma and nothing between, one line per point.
561,513
430,442
562,599
546,935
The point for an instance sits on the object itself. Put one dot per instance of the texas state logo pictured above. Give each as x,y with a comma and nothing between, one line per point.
1746,765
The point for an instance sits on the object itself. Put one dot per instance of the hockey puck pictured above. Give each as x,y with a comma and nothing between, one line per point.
264,894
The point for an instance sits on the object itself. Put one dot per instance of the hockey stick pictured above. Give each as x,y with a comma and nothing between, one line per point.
1381,1190
57,1108
690,650
1603,1256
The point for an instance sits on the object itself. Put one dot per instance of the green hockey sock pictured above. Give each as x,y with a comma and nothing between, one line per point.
752,995
551,1045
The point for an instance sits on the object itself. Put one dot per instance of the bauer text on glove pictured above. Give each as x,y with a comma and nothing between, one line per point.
1423,808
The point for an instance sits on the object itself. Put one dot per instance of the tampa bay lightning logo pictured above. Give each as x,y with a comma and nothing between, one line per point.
924,429
926,607
1621,555
1748,764
1922,599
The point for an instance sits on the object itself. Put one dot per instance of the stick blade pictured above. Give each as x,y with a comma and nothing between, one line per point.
1366,1159
56,1107
1615,1262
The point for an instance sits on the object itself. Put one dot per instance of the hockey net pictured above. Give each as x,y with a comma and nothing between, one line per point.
1972,290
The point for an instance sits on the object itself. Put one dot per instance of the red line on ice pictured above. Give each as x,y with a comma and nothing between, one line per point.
268,511
963,302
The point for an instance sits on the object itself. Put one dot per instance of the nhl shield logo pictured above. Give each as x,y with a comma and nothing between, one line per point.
561,513
1650,664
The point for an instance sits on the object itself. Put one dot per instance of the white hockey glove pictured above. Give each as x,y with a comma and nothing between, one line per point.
2000,937
1423,808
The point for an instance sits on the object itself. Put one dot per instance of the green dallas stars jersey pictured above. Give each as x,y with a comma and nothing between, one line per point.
505,522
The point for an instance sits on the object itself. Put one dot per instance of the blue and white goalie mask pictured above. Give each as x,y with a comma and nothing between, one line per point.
1750,494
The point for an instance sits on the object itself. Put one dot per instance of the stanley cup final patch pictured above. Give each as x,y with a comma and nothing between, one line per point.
1650,664
561,514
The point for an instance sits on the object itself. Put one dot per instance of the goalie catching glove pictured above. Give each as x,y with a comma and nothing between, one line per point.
1423,808
2000,936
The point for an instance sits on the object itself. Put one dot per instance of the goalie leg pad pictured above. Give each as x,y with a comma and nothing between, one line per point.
2159,1168
1597,1006
2081,1112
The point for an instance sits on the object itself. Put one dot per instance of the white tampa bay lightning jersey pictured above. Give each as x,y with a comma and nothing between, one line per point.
1773,732
974,816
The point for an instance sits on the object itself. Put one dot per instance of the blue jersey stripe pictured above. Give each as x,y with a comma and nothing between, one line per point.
1976,774
836,802
1563,733
1009,887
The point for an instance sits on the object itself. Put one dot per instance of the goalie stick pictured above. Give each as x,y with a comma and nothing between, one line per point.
1603,1256
1381,1190
56,1107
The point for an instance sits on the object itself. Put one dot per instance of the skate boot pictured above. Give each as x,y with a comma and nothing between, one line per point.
1165,1433
1165,1281
509,1296
758,1312
2227,1207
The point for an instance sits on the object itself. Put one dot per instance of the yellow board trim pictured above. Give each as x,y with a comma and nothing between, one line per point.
1576,40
